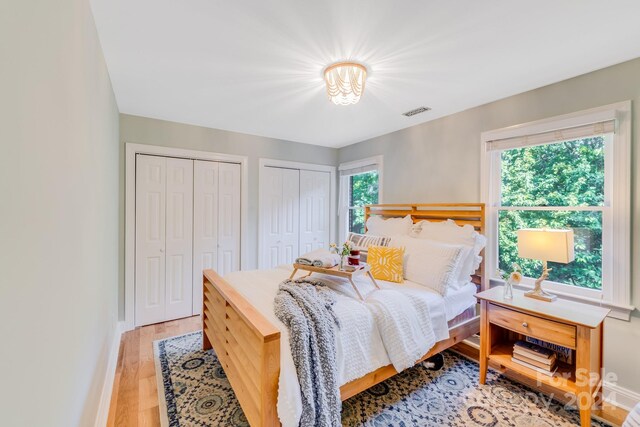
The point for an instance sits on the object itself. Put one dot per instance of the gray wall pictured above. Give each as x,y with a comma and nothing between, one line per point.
59,210
440,161
143,130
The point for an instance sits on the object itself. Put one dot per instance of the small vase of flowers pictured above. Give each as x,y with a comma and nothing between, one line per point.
510,279
344,251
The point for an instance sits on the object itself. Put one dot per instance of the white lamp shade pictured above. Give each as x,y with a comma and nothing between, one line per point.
546,245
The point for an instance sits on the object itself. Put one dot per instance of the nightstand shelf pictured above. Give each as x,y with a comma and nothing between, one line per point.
564,378
565,323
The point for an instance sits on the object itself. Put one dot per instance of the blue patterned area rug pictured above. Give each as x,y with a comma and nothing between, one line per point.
194,391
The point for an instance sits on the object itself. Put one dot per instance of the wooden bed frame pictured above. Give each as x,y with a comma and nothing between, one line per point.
248,345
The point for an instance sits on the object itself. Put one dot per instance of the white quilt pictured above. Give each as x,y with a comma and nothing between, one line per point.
360,347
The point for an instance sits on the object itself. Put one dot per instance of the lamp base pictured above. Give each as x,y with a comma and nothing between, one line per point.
541,295
537,291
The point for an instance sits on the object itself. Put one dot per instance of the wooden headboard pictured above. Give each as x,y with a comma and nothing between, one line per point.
462,213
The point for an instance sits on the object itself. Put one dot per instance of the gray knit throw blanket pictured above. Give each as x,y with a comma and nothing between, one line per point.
305,306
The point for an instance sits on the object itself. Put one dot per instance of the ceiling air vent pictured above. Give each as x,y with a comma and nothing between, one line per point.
416,111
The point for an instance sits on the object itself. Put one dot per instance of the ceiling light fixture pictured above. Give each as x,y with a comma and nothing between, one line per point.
345,82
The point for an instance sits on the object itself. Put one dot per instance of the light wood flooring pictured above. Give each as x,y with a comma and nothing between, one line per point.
134,401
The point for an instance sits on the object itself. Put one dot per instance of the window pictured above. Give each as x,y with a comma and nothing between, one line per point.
556,185
362,189
569,172
360,184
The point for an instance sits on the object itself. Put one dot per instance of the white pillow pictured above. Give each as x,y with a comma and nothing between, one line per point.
449,232
379,226
432,264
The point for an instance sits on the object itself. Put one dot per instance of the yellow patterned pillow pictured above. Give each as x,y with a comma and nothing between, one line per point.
386,263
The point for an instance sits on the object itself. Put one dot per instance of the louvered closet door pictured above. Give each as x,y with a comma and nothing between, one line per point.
229,218
179,239
150,239
205,225
315,190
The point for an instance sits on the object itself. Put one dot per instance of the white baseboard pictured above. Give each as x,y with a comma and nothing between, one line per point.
620,396
107,387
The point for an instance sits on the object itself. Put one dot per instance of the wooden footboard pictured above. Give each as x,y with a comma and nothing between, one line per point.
248,347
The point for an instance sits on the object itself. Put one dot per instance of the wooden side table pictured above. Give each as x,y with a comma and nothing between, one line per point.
335,271
566,323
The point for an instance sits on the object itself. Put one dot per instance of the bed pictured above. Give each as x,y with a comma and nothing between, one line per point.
239,324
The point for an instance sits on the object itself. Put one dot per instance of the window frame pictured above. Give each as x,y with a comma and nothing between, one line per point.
343,205
616,285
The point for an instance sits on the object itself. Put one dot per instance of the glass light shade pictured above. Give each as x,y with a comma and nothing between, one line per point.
546,245
345,82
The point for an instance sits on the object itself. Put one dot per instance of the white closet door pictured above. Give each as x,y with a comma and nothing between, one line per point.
279,213
228,218
205,225
179,238
150,239
270,213
290,216
315,190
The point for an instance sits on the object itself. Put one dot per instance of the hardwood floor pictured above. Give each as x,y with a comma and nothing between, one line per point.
134,401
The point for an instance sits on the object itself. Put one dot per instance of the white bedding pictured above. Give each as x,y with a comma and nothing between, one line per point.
359,347
455,302
404,323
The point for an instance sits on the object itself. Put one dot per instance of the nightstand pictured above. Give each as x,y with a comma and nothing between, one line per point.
566,323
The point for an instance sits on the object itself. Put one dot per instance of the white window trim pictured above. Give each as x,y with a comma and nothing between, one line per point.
616,294
378,161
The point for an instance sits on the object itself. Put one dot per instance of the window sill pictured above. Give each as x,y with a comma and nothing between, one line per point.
618,311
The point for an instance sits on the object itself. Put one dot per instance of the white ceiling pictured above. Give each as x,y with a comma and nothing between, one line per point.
255,66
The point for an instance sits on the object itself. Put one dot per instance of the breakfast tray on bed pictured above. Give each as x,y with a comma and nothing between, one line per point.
335,271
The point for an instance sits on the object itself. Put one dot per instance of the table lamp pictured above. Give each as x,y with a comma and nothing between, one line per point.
544,245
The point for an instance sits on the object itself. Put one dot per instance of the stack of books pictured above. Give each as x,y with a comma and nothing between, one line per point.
535,357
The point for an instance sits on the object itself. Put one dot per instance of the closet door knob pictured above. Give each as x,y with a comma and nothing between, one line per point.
161,250
525,325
